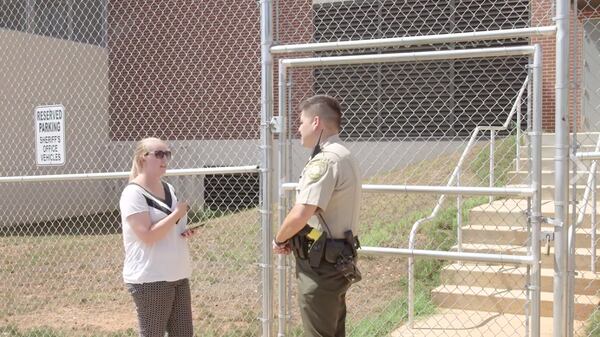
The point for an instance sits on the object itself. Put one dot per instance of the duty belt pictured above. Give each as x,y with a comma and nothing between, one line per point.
312,244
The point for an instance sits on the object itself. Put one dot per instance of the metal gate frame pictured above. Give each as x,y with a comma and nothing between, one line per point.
534,191
563,278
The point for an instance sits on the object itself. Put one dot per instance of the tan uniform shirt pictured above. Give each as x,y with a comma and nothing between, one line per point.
331,181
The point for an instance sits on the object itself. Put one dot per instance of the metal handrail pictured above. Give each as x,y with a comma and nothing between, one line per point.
590,189
416,226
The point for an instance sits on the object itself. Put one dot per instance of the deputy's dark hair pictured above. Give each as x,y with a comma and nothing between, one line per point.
324,106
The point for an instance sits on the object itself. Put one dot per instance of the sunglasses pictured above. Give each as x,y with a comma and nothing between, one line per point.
160,154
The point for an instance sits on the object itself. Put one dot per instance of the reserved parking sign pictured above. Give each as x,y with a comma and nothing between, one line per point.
50,135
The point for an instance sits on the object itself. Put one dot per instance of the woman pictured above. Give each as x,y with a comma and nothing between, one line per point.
157,261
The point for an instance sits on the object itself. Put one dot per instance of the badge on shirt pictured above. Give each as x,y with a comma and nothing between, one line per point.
315,170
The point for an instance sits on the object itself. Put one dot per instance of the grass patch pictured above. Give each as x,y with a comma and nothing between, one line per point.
504,154
397,311
593,325
441,235
381,233
205,214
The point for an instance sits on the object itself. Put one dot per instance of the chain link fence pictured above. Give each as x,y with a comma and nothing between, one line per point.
189,72
585,39
409,123
185,71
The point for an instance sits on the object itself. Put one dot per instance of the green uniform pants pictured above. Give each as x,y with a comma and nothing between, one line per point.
322,297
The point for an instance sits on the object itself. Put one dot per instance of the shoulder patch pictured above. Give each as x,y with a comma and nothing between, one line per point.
315,169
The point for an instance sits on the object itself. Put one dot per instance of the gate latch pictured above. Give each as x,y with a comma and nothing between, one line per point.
552,221
275,124
547,237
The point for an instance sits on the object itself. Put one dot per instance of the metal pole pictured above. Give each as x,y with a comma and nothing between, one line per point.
589,155
411,291
445,255
282,168
119,175
518,141
289,165
409,56
492,164
459,238
446,190
536,183
593,225
573,229
561,169
266,32
416,40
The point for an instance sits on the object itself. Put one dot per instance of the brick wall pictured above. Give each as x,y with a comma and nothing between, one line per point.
294,26
542,14
188,69
184,69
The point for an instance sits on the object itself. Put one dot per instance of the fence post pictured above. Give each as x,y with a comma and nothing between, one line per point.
283,177
266,137
561,169
492,161
536,182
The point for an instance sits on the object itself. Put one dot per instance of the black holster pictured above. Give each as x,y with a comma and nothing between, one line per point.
343,254
300,243
305,248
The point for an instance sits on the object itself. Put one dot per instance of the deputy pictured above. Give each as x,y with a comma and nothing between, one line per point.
321,228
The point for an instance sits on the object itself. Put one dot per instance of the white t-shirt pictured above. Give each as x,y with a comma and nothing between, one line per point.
165,260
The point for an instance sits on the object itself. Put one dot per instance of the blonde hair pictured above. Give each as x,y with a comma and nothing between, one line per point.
141,148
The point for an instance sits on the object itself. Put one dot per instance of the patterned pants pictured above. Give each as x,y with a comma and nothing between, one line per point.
163,307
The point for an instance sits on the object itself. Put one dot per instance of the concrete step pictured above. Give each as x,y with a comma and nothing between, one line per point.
548,191
516,236
505,301
547,163
511,277
467,323
511,213
583,138
583,256
548,151
522,177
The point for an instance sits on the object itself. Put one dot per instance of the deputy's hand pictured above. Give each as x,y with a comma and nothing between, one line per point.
282,248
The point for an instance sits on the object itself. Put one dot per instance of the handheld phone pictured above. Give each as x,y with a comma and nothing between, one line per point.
196,225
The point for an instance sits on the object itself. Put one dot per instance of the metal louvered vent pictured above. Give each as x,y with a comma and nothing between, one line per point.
420,100
232,192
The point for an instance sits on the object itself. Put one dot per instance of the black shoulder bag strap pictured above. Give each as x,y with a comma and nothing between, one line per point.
152,203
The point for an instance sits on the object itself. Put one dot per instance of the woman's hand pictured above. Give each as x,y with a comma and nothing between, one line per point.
181,209
188,233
